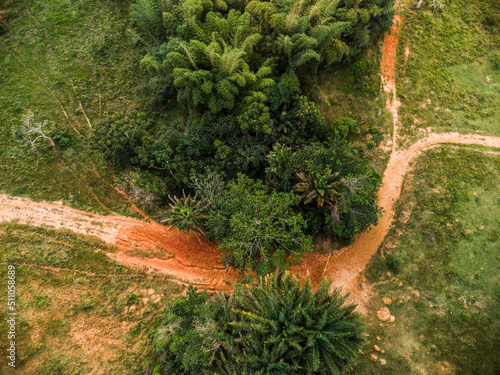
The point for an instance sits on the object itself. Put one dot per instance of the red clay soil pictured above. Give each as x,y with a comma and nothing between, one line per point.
161,250
152,246
345,268
388,67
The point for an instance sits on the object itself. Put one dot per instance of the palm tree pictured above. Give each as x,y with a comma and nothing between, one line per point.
319,186
186,214
285,328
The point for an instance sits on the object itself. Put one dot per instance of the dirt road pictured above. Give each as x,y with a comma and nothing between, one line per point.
188,261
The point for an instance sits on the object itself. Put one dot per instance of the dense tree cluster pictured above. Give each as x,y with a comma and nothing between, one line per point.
226,55
275,327
269,173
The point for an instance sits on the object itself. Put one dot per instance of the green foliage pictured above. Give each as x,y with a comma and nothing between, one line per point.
356,208
117,136
41,301
132,299
255,228
277,326
284,328
190,335
361,78
318,186
344,127
62,140
256,119
395,263
219,56
186,214
147,16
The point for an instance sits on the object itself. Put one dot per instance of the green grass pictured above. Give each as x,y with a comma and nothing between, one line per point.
81,317
445,297
89,41
337,98
451,78
47,247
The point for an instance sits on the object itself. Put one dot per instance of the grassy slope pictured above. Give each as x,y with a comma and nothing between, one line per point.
88,39
445,299
448,81
334,97
70,322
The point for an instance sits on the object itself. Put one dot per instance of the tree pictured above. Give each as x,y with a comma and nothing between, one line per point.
356,206
118,136
285,328
31,131
191,334
275,327
186,214
318,186
256,228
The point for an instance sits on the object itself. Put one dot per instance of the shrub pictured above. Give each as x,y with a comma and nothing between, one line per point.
395,263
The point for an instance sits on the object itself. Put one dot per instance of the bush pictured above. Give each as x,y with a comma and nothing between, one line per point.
395,263
62,140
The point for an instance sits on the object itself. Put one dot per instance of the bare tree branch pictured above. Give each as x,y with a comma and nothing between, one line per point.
31,131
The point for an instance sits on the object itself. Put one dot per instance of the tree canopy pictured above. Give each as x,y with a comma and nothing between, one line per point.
226,55
277,326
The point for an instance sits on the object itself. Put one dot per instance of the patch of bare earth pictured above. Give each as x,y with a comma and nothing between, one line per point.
188,261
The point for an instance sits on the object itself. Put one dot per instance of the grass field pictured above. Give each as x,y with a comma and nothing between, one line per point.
443,257
449,68
54,55
87,314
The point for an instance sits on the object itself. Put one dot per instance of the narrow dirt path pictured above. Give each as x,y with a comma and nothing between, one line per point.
152,246
388,64
167,251
345,268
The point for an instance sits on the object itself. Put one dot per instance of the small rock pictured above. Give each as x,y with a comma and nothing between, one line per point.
400,283
386,301
383,362
373,357
384,314
392,318
378,338
488,79
481,227
382,351
388,274
376,347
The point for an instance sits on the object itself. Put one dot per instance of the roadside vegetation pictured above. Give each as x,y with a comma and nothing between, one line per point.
442,259
449,68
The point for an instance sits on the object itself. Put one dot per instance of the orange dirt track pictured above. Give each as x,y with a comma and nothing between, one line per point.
187,261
